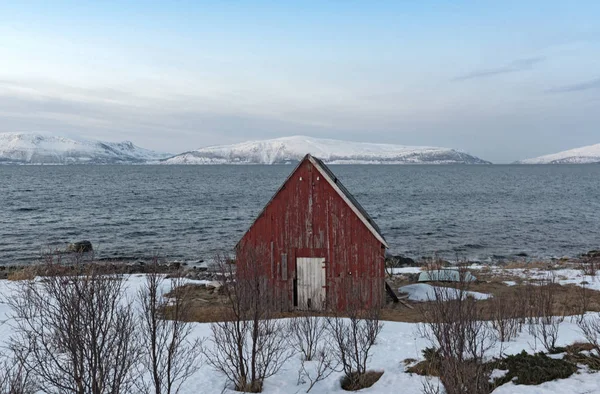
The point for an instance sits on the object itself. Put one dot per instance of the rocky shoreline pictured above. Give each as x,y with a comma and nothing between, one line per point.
195,272
204,271
83,252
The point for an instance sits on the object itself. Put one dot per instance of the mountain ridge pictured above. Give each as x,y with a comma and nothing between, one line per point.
41,148
291,149
583,155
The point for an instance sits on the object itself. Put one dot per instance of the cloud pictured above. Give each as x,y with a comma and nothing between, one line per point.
577,87
515,66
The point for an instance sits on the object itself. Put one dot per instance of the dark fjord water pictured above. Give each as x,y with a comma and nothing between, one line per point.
190,212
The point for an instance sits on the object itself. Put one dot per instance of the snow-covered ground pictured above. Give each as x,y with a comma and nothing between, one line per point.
562,276
585,154
293,149
425,292
397,342
38,148
406,270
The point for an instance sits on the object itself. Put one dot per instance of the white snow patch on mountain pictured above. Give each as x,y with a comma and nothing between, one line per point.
293,149
38,148
583,155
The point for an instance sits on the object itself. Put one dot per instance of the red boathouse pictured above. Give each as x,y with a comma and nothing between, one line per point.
315,245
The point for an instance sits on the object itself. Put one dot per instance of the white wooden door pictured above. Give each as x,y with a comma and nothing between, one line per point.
311,282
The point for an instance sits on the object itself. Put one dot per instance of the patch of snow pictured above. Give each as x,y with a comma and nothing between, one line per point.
293,149
425,292
497,374
564,276
406,270
397,342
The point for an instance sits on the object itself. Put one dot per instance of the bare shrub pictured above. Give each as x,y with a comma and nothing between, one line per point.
544,298
170,355
353,338
505,318
324,363
583,300
307,332
308,335
455,326
250,345
74,331
590,327
15,378
589,265
435,263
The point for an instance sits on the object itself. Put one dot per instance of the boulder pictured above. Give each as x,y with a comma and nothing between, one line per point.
592,254
80,247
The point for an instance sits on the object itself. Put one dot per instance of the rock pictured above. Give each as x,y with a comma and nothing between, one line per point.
592,254
522,254
80,247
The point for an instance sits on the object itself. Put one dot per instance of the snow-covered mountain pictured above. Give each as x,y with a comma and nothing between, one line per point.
583,155
35,148
293,149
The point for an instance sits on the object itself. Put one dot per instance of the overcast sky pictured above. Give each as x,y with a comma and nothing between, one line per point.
503,80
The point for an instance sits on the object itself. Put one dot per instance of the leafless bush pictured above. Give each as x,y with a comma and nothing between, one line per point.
250,345
590,327
454,324
589,265
353,338
505,318
15,378
307,332
170,355
324,363
74,331
431,386
308,335
583,300
546,328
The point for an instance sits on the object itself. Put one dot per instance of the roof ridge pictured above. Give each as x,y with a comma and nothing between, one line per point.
351,200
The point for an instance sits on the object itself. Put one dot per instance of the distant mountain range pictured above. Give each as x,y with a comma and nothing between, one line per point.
292,149
583,155
39,148
34,148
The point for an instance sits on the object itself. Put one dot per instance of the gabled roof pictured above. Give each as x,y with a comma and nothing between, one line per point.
348,198
341,190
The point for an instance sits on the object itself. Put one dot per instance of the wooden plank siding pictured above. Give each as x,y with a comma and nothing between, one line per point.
309,218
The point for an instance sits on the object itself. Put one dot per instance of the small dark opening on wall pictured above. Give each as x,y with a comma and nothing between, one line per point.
295,292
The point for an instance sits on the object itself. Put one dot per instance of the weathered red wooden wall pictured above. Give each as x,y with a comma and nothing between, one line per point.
308,218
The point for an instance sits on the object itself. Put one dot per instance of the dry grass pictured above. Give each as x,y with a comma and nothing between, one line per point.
26,273
359,382
210,305
529,265
579,347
